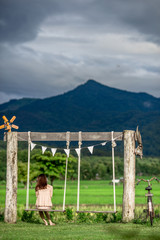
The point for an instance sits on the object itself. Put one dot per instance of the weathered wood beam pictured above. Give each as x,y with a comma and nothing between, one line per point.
129,176
10,215
74,136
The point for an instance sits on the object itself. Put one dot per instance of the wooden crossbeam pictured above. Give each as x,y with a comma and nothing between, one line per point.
44,210
74,136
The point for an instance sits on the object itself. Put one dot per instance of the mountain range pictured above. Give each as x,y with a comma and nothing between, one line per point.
90,107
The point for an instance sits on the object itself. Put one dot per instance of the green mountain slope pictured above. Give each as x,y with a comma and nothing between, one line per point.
91,107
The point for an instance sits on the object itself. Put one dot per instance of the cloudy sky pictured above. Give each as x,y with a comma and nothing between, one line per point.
48,47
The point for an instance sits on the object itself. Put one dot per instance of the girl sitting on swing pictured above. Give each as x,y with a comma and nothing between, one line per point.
44,194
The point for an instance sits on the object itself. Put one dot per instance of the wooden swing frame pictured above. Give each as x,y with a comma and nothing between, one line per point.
68,137
128,136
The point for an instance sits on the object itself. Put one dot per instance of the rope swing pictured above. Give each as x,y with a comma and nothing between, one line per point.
78,151
79,165
113,168
65,182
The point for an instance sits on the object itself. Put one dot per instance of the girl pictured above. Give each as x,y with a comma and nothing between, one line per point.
44,194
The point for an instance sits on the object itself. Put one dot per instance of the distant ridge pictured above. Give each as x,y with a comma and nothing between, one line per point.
91,107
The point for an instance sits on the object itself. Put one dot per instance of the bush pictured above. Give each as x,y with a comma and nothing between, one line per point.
100,217
29,217
1,216
69,214
84,218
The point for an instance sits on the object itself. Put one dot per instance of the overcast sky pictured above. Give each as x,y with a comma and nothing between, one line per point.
48,47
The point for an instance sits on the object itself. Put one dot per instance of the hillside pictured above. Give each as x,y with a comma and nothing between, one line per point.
91,107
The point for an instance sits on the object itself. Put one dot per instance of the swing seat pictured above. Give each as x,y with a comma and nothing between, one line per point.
96,211
45,210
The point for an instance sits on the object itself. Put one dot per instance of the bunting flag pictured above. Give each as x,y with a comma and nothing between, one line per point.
78,150
103,144
90,149
114,144
67,151
32,145
43,149
53,150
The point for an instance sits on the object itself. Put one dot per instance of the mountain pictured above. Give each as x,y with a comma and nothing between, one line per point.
14,104
91,107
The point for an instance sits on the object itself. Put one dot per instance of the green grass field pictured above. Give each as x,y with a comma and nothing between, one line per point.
91,193
71,231
94,195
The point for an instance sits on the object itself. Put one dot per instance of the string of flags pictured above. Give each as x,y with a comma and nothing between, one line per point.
78,150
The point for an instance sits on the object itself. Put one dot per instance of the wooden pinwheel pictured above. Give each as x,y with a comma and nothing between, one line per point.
8,124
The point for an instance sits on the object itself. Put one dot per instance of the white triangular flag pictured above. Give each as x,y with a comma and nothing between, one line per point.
53,151
114,144
67,151
103,144
78,150
32,145
90,149
43,149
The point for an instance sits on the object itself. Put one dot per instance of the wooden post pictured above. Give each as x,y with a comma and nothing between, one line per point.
10,215
129,176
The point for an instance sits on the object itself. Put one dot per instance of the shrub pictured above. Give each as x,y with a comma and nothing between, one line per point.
1,216
69,214
29,217
99,217
84,218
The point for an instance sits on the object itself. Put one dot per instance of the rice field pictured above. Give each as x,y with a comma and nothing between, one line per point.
91,193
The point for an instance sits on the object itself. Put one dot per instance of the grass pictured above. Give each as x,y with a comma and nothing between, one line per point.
85,231
94,195
91,193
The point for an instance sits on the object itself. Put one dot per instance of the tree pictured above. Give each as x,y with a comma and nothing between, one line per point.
53,167
2,165
22,172
86,173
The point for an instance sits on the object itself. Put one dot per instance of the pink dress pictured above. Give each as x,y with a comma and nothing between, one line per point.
44,197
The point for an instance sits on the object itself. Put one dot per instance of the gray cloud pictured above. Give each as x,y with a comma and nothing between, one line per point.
144,16
49,47
20,20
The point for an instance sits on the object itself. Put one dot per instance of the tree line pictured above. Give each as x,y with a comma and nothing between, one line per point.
93,167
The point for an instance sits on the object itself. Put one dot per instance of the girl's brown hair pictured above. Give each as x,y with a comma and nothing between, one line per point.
41,182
